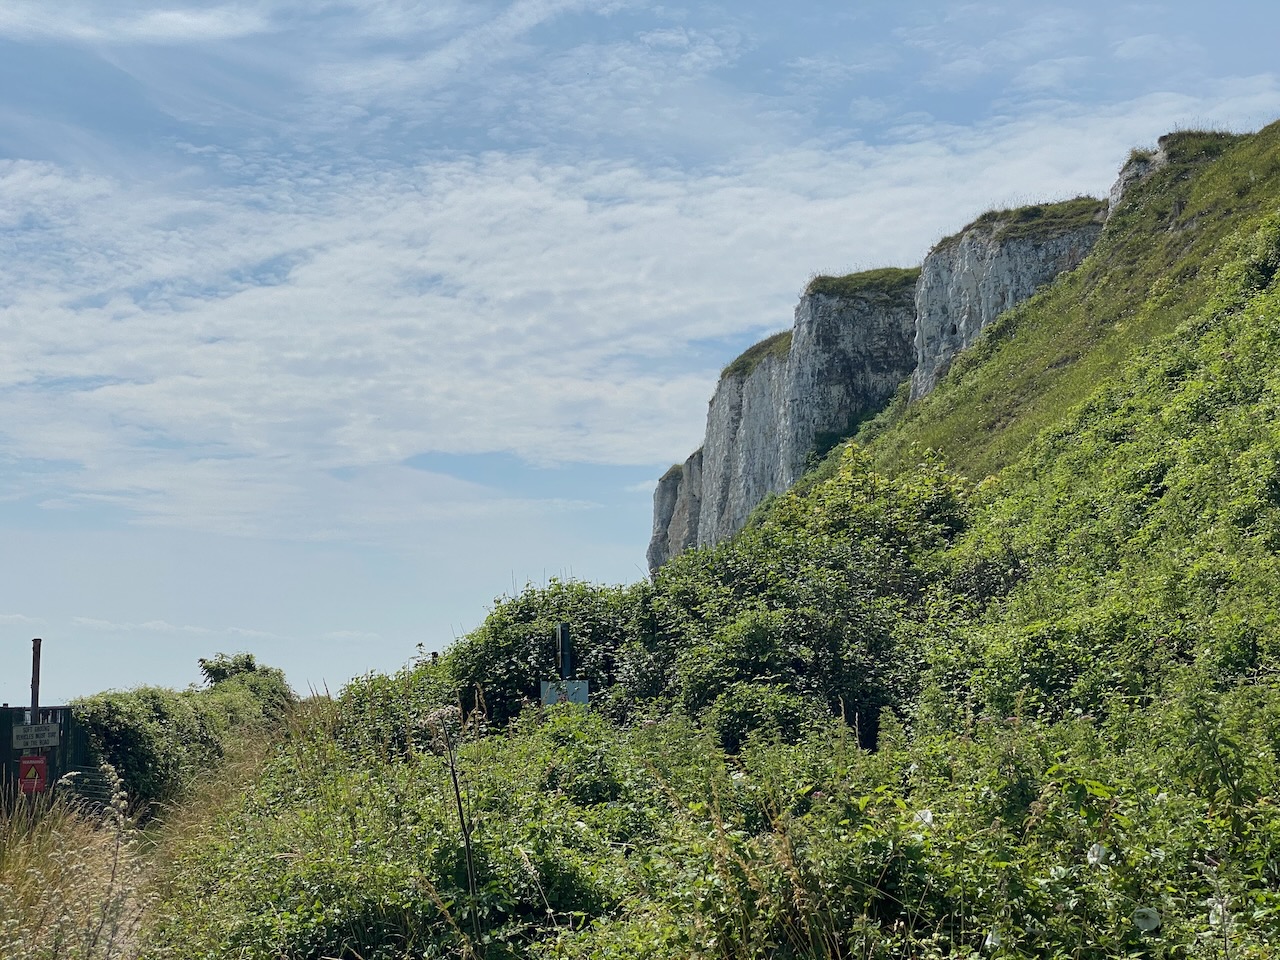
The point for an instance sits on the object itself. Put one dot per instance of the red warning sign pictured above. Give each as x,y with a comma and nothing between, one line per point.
33,774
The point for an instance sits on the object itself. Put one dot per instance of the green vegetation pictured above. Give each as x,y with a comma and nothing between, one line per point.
886,281
78,876
775,346
1002,679
1144,835
160,740
1040,220
1152,269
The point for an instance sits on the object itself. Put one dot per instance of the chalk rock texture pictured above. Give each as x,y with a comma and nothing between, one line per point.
970,279
677,503
785,401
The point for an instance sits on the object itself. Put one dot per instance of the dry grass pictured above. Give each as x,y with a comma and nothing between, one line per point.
72,880
85,882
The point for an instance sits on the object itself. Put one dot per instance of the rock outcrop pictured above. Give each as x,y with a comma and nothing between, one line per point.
1140,165
785,401
742,451
991,266
855,339
851,346
677,503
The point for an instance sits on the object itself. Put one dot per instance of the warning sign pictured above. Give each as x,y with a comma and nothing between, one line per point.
564,691
36,735
33,774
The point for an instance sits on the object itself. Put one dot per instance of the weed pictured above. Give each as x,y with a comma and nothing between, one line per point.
72,878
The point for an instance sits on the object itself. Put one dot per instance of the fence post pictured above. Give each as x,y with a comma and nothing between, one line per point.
35,680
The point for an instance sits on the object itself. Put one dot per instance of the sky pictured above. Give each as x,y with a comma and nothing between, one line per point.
326,323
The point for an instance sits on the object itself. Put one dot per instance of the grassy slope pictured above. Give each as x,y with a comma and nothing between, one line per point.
1145,276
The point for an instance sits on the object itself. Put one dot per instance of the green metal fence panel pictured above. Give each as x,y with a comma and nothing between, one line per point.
72,755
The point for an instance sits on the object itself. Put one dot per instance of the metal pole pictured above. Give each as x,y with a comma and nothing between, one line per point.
564,651
35,680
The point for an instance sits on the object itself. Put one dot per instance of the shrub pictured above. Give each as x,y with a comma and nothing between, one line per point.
159,739
764,709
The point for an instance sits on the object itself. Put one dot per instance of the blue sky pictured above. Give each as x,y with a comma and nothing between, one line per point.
324,323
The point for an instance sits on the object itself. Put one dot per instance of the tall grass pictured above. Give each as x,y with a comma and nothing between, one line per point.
71,878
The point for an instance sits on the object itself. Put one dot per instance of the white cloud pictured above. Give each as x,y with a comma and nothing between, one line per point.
973,42
1059,75
475,48
85,23
498,303
164,627
20,620
359,636
1156,47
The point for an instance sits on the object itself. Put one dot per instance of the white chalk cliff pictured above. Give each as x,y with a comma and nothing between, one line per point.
786,400
855,339
997,262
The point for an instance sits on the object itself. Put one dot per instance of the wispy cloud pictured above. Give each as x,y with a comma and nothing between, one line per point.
163,627
205,359
1156,47
84,23
474,49
20,620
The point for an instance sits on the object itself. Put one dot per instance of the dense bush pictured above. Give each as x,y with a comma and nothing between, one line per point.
267,685
1152,835
160,739
514,650
812,600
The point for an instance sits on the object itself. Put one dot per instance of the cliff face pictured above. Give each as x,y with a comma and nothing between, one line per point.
852,344
676,506
742,452
785,400
793,396
993,265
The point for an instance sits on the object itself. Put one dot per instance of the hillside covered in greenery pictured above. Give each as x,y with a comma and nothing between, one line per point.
999,678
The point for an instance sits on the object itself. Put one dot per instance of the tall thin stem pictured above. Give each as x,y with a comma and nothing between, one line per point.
466,830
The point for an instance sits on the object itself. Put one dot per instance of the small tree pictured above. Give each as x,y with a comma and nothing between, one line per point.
267,685
222,666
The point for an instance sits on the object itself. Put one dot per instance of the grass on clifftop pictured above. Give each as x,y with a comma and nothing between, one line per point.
882,282
887,280
774,346
1041,220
